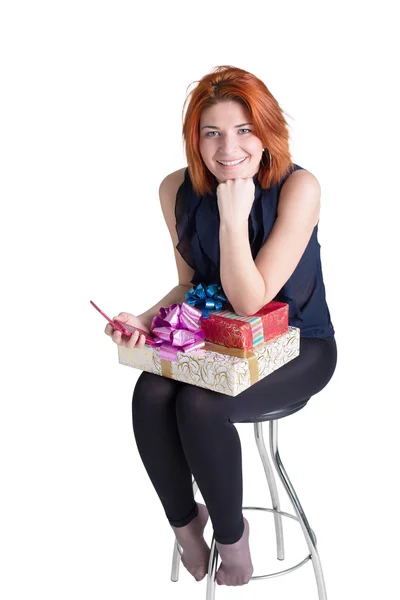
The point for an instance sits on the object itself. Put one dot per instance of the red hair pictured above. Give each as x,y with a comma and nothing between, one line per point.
231,83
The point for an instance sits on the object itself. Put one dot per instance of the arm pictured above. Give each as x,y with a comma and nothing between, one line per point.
250,285
167,192
241,281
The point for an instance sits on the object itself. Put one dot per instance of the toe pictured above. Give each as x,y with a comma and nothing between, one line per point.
220,579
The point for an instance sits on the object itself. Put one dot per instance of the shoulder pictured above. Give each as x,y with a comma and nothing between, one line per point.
167,193
300,192
170,185
301,179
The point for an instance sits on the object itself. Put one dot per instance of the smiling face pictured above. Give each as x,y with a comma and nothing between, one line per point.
226,134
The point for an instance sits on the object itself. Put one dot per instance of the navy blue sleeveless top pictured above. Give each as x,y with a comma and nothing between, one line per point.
197,226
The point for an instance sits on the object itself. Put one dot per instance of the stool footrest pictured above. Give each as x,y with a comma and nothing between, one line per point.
284,571
281,512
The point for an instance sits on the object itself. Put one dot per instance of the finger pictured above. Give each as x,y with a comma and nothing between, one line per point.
141,341
123,317
109,329
116,337
133,339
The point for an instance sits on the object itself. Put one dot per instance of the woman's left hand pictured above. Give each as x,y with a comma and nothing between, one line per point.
235,199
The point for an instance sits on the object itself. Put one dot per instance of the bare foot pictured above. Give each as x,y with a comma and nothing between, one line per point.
195,551
236,567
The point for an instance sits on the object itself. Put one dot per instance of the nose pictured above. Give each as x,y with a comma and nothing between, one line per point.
228,145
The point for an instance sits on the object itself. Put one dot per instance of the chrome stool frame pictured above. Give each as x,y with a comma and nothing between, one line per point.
301,518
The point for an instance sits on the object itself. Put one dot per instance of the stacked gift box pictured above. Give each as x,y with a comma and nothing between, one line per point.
204,343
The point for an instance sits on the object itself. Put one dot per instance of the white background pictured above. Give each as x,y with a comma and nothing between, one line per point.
92,97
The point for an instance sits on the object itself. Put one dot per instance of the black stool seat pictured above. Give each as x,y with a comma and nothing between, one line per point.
278,414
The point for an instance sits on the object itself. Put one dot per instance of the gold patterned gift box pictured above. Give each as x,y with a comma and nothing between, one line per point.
226,370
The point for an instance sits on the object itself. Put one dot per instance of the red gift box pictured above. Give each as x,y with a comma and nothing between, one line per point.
228,329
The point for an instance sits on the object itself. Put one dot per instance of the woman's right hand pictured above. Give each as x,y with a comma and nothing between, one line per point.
136,340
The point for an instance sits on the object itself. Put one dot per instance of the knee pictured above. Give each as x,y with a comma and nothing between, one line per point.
197,404
152,393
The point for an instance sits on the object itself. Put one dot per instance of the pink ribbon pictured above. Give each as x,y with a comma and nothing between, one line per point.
177,328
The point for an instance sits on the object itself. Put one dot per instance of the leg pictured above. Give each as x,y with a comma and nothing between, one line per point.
159,445
217,471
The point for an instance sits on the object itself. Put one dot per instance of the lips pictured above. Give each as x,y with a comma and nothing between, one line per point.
234,163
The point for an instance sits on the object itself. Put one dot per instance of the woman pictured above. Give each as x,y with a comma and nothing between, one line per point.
227,227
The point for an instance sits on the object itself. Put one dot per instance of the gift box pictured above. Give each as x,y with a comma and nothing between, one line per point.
226,328
226,370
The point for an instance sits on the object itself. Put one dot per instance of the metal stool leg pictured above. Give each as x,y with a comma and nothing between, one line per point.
308,533
212,570
258,433
176,556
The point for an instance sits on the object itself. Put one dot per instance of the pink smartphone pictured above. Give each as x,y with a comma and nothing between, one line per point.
123,327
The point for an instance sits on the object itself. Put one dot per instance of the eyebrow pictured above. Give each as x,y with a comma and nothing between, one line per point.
213,126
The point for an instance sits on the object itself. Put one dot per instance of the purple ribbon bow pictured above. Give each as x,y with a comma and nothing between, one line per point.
177,328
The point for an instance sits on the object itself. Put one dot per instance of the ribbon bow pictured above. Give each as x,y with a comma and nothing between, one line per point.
177,328
207,298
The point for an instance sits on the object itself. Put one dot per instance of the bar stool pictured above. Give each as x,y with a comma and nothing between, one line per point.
309,535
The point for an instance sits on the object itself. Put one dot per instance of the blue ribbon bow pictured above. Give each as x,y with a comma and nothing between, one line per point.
206,298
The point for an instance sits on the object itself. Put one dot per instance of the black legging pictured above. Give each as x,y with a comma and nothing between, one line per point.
181,429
